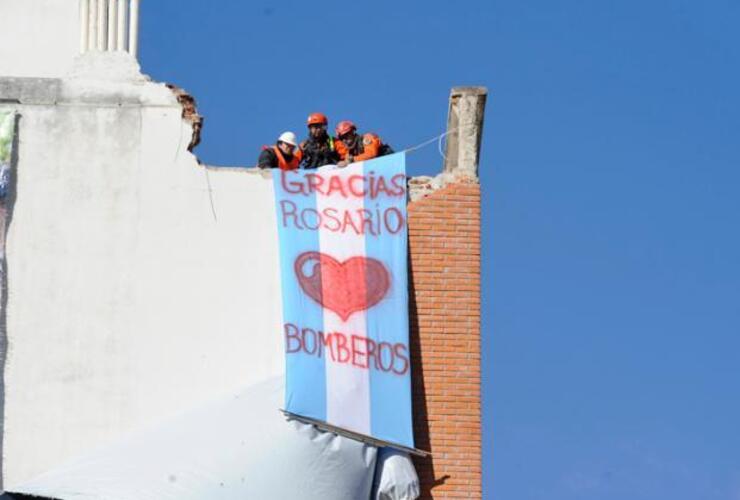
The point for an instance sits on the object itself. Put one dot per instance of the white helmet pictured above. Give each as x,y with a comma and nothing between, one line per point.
288,138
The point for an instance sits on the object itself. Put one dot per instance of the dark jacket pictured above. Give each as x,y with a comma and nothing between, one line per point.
317,154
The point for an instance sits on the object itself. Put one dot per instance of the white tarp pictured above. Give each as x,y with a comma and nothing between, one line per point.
239,447
236,448
396,478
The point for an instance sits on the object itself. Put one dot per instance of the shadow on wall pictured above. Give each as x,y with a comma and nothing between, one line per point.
6,217
424,465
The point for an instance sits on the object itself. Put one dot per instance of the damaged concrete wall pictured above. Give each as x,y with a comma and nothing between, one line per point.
44,47
129,300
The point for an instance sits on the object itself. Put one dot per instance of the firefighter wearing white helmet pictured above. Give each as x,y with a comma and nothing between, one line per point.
284,155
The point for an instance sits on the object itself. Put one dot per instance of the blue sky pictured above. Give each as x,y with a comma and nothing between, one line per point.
610,170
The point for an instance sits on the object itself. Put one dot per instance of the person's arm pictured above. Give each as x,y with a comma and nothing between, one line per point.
371,148
267,159
340,150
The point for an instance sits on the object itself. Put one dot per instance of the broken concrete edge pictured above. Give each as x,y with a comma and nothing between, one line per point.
29,91
424,185
189,113
419,187
262,172
470,90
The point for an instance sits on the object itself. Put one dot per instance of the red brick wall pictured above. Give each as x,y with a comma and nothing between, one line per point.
444,246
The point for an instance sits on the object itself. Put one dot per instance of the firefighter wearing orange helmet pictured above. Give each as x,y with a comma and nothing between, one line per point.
353,147
319,149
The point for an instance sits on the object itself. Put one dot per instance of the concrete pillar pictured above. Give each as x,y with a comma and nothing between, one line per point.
465,127
122,31
102,21
112,24
84,25
133,37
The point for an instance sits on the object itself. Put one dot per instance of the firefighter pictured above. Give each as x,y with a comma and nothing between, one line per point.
284,155
352,147
319,149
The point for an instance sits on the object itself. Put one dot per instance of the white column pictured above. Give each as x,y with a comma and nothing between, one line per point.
122,33
112,24
102,22
84,25
133,37
92,42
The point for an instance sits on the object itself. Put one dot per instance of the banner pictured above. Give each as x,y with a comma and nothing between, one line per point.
343,263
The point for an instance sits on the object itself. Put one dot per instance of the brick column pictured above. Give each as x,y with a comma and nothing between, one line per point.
444,247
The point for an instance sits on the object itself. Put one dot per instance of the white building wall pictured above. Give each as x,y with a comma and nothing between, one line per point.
38,38
127,300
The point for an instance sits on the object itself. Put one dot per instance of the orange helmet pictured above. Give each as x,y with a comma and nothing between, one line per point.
345,127
317,119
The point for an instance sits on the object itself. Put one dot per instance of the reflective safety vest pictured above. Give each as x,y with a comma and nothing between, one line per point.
282,163
367,147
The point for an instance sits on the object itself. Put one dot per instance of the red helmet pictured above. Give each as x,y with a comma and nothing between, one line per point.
345,127
317,119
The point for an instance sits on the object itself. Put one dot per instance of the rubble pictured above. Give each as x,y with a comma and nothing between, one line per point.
189,113
424,185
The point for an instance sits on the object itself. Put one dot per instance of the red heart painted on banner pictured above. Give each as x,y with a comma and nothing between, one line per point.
346,287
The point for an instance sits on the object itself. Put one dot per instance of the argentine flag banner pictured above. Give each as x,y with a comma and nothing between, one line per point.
343,262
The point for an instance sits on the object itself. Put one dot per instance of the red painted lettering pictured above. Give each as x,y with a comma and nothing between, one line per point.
340,342
326,343
352,184
371,353
358,186
358,352
335,184
291,333
314,183
371,184
401,352
292,187
367,221
306,215
389,357
288,209
382,187
399,182
329,217
307,334
389,215
349,221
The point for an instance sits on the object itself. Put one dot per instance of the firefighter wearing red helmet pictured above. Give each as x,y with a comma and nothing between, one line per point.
319,149
353,147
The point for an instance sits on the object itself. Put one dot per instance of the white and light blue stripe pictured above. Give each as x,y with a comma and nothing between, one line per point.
364,401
